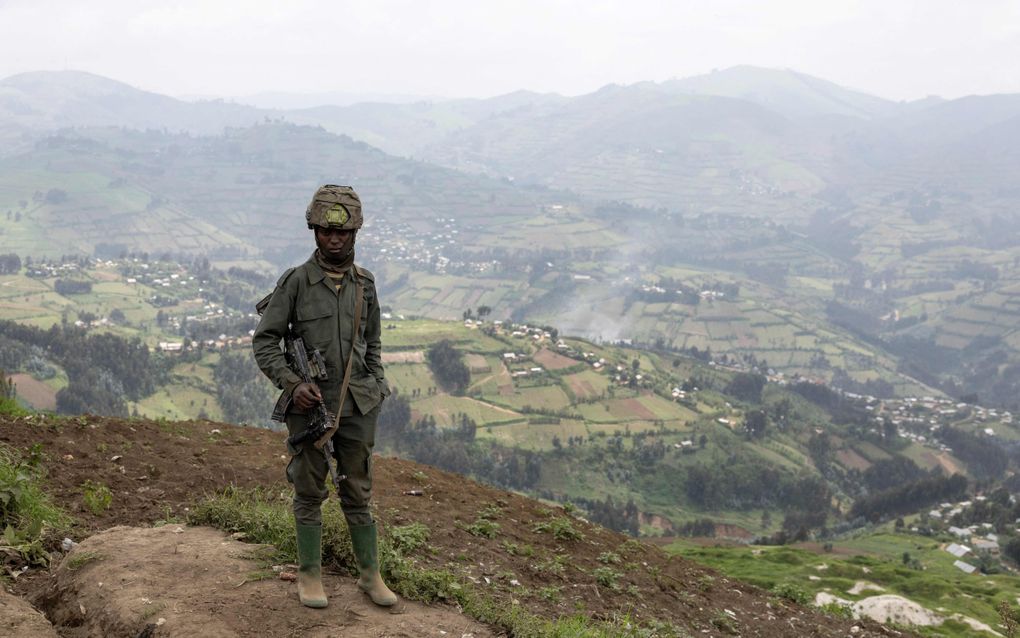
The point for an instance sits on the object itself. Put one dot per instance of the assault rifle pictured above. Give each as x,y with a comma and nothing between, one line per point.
320,420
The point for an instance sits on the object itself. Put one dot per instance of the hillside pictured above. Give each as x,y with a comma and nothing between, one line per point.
488,551
849,239
796,95
633,436
49,100
528,388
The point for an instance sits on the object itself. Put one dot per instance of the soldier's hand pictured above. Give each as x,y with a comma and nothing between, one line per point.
307,396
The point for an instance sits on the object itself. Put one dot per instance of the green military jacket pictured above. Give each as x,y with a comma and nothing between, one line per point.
306,301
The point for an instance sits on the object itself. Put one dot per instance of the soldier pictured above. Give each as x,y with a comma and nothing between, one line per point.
317,301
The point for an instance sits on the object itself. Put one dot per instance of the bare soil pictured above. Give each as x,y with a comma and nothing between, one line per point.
185,581
157,469
408,356
38,395
553,360
18,618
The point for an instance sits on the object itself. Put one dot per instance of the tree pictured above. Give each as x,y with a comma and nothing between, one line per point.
56,196
746,386
756,422
1012,549
449,369
9,264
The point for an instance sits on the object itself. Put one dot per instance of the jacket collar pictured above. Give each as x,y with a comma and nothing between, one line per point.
315,274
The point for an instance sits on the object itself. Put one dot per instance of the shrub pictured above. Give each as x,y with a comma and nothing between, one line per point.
97,497
791,592
607,577
561,529
407,538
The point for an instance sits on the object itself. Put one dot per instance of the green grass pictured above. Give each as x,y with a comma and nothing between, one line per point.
11,407
407,377
81,558
445,408
27,515
875,557
561,529
264,516
549,397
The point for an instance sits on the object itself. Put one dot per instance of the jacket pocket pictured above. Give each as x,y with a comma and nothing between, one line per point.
315,324
312,312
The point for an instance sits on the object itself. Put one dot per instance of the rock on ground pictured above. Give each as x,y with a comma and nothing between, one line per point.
177,580
18,618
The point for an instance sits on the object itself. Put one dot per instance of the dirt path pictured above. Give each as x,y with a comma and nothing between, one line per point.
497,408
196,581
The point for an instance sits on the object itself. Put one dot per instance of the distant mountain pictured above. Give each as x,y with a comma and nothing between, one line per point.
58,99
785,91
291,101
642,145
406,129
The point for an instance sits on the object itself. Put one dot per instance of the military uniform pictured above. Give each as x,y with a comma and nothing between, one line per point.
317,301
307,302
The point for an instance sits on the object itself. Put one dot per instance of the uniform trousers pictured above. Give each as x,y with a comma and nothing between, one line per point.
308,473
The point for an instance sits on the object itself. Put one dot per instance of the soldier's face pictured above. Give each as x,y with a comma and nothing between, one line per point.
333,242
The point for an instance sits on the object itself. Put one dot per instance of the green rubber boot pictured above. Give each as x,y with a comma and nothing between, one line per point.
364,540
309,581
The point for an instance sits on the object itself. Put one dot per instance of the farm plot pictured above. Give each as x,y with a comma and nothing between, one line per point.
664,409
477,363
181,401
405,356
535,436
547,397
420,333
553,361
495,382
587,385
445,409
37,394
407,377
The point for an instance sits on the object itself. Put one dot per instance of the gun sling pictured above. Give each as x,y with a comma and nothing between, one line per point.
359,295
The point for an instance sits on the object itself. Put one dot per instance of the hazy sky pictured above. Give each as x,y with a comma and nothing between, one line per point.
900,49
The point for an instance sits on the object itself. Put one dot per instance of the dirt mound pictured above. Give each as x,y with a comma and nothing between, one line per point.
18,618
195,581
514,549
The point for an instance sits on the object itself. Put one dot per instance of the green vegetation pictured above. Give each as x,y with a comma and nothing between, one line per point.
447,366
8,398
483,527
27,515
265,517
82,558
561,529
96,496
647,429
607,577
408,538
869,564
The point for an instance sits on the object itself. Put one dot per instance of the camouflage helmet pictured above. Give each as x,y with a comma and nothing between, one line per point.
334,207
